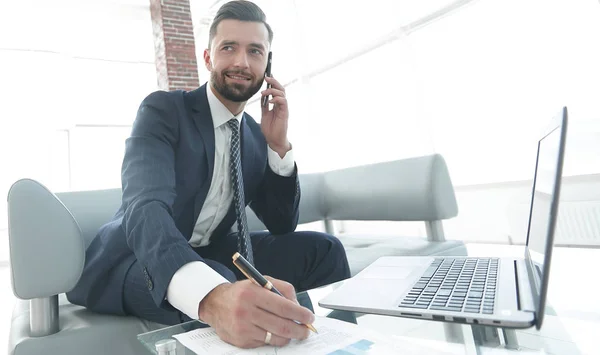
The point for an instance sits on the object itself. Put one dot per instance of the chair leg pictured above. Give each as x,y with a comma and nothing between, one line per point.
510,339
43,316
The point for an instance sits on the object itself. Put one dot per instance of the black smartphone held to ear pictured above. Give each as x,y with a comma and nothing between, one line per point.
265,99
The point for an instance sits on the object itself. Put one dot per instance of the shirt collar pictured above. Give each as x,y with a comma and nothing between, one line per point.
220,114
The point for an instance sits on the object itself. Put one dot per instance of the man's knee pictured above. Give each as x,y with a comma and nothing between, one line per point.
337,254
336,247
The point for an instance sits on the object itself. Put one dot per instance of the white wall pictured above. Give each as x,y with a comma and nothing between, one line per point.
65,65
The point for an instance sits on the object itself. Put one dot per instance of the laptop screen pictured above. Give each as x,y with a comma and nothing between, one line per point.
545,180
544,210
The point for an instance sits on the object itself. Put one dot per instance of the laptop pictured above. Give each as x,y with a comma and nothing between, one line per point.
498,291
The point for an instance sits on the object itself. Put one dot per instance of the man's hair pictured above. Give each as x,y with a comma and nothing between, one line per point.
240,10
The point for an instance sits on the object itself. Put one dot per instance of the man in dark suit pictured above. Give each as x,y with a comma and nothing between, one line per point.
194,160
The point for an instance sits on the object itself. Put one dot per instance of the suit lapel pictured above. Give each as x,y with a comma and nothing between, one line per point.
204,123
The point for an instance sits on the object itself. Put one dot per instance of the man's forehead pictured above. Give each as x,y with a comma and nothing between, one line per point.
242,32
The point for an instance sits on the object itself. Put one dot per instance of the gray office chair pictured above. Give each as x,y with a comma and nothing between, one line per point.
48,234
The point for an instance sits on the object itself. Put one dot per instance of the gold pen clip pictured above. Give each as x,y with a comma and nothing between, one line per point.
235,257
245,273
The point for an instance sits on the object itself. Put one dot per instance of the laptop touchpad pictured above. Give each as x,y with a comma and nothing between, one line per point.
387,272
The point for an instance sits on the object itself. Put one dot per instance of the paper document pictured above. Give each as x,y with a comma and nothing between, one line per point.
334,338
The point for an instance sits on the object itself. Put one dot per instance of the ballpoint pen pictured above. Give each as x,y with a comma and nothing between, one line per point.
252,274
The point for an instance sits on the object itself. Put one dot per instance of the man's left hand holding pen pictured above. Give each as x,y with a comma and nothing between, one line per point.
248,316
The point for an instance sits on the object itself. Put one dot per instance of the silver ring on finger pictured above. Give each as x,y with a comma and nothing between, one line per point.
268,338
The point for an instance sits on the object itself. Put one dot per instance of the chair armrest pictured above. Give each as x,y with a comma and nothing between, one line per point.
47,251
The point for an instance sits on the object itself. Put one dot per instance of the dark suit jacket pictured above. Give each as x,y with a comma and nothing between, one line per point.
166,174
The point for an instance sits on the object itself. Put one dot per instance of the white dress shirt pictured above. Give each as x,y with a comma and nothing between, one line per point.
194,280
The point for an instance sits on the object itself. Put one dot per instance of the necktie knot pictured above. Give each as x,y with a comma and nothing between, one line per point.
233,124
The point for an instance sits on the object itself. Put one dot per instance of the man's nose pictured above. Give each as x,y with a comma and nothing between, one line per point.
241,60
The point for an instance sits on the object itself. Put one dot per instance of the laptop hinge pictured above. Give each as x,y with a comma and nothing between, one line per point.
524,290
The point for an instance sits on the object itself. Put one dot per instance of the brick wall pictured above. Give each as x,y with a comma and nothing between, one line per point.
175,52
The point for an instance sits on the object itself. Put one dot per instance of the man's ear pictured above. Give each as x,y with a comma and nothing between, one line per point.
207,61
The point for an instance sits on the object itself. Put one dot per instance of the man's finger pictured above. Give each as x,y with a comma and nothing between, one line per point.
274,92
239,340
280,327
255,336
275,340
286,288
283,307
274,83
279,101
265,108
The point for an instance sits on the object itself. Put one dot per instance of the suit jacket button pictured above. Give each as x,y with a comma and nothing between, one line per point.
150,285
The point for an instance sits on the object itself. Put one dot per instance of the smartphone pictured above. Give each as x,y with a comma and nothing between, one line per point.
265,99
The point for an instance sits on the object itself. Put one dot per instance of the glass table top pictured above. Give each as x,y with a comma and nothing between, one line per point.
565,331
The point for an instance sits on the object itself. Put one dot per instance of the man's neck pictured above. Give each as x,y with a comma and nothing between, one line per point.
234,107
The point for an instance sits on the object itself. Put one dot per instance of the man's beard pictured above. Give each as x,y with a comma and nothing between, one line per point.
233,92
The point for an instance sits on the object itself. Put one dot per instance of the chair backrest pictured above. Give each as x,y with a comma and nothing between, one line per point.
91,209
48,232
414,189
312,202
47,250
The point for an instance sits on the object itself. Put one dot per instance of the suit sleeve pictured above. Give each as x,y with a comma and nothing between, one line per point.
278,196
148,180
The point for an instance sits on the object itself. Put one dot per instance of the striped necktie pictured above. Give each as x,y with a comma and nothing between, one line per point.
237,181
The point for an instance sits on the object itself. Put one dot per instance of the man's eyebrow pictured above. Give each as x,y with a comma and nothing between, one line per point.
258,45
228,43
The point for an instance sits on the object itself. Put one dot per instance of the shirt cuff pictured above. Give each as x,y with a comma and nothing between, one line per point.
190,284
282,167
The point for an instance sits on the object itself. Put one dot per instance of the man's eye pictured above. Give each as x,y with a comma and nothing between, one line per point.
255,51
227,48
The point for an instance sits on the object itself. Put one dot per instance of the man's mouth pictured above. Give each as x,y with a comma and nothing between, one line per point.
238,76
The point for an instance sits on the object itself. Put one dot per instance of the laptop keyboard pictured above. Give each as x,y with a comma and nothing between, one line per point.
465,284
